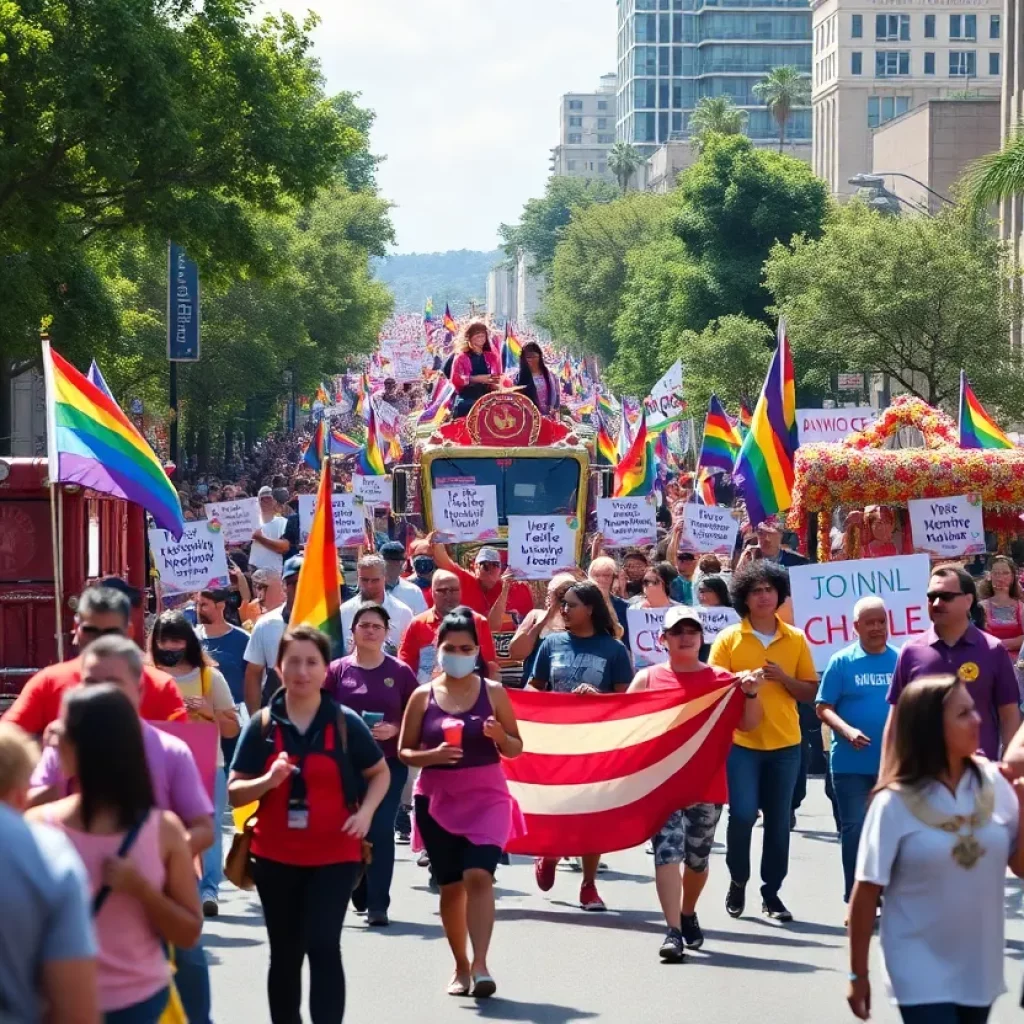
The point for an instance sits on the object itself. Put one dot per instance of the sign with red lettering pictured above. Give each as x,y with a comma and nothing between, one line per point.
832,425
824,596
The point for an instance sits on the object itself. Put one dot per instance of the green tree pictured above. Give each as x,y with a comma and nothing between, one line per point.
544,220
715,115
623,160
917,298
782,90
999,176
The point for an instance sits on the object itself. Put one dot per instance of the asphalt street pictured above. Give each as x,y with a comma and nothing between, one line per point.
555,964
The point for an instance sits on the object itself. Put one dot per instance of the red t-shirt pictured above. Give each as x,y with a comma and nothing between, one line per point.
419,643
39,702
696,684
520,600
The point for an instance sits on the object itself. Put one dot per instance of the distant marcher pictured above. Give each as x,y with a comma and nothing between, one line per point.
539,384
476,369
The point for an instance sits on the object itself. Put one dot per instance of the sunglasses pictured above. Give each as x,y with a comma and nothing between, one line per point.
95,631
684,631
489,565
945,596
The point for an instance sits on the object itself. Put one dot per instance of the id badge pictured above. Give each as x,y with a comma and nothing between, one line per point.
298,815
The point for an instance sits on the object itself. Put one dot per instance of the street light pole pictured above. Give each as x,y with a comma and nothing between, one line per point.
867,180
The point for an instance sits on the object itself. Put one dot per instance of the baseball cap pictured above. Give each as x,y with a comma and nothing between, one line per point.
291,567
681,613
118,584
265,492
487,555
393,551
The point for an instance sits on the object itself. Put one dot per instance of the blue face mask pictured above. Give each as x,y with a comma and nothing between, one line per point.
458,666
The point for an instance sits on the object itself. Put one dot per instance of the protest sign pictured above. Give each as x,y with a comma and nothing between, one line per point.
824,596
540,546
645,636
238,519
349,518
196,562
626,521
814,425
707,528
715,619
665,404
465,513
374,490
406,359
203,740
947,527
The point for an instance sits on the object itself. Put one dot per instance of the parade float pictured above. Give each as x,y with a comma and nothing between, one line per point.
867,474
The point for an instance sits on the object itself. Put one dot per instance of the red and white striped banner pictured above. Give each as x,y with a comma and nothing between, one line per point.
604,773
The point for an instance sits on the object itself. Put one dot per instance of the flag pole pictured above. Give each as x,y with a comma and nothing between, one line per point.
56,520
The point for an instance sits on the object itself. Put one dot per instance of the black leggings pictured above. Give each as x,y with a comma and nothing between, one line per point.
304,909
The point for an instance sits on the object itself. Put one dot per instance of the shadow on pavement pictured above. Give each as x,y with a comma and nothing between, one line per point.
801,927
737,961
409,928
776,940
537,1013
212,941
623,920
821,837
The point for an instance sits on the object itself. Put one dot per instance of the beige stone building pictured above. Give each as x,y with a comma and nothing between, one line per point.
586,133
875,60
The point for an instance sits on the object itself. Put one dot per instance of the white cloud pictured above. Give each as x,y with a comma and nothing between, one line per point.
466,94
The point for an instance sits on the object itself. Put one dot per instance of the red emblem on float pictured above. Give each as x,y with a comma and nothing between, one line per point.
504,418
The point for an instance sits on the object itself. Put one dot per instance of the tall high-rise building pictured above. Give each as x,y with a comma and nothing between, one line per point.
586,133
671,53
870,67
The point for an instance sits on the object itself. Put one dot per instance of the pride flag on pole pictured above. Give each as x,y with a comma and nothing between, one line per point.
977,428
634,475
721,442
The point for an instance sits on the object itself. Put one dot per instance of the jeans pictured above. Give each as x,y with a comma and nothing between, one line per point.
304,910
760,779
852,793
213,858
382,834
944,1013
149,1011
193,982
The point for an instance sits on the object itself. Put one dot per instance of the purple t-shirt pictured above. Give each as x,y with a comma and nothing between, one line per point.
978,659
385,689
177,786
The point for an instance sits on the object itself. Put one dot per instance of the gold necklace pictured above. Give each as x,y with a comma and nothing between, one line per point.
967,851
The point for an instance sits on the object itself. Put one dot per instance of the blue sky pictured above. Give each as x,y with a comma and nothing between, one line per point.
467,96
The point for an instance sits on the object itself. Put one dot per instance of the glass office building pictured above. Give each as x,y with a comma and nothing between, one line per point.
673,52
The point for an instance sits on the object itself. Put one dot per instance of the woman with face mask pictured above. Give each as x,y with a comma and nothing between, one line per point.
455,729
175,648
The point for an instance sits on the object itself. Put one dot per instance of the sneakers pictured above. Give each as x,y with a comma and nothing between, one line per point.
671,950
689,928
544,872
423,860
211,908
735,900
589,899
377,919
774,908
403,826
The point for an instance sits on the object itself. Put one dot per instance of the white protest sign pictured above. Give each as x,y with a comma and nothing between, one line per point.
196,562
349,518
465,513
374,490
824,596
624,522
708,529
665,403
715,619
645,636
238,519
540,546
406,359
947,527
814,425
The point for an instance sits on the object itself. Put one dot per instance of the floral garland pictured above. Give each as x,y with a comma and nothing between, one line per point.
908,411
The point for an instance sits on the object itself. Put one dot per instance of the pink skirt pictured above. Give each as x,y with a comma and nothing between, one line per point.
471,802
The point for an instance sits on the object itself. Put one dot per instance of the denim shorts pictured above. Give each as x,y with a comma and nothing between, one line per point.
687,837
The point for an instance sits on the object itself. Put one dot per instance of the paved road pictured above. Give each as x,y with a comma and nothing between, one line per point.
556,965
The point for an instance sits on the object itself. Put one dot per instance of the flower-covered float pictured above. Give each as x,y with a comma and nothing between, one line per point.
861,473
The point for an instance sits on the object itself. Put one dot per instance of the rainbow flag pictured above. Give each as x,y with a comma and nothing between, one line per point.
977,428
745,418
96,376
722,441
511,349
316,451
704,486
634,475
603,443
606,405
440,404
344,444
662,455
371,458
91,442
363,396
321,396
764,467
428,310
318,592
448,322
625,436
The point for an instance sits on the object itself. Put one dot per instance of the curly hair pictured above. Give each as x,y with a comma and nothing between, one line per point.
751,575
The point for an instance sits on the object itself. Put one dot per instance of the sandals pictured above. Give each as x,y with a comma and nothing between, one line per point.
458,987
483,986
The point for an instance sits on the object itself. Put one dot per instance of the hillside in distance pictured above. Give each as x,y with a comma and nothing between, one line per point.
458,277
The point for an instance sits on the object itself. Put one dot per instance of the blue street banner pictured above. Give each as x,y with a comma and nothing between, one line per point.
182,306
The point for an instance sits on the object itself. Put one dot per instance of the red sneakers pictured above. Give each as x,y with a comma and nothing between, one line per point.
589,899
544,872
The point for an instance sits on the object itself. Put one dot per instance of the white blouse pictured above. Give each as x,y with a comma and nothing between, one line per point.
942,924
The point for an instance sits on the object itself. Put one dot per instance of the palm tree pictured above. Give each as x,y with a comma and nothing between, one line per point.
783,89
997,177
623,160
715,115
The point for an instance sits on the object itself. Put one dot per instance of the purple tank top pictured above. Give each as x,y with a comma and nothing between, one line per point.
477,749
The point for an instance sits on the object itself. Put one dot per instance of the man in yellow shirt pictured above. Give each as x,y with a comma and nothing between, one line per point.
764,762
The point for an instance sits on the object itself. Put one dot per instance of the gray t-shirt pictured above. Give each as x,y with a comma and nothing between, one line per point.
44,911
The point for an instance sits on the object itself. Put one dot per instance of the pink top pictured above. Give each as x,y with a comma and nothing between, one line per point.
462,368
132,962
